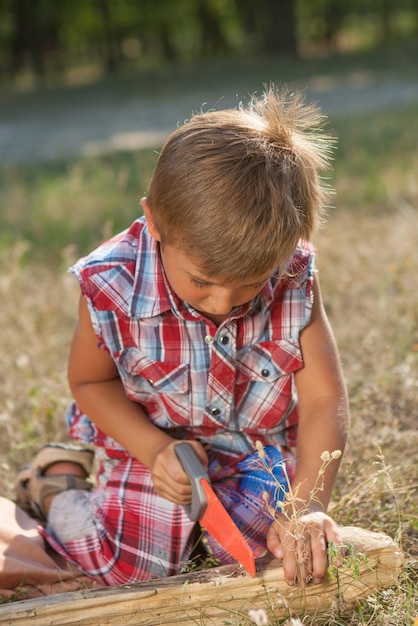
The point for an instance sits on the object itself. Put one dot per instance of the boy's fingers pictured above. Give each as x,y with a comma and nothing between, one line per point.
289,558
305,555
296,554
273,541
304,548
319,556
179,494
305,561
170,480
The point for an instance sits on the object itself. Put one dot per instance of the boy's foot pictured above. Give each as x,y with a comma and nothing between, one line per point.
56,468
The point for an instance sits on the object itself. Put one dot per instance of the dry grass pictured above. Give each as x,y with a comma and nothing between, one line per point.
368,269
37,317
368,275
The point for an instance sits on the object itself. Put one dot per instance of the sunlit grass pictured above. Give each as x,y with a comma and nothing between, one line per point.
376,160
77,202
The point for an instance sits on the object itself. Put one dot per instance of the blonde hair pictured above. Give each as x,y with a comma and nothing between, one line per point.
236,189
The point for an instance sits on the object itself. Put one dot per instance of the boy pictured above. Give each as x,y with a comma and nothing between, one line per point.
203,321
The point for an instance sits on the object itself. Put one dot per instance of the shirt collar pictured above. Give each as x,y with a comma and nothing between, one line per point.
149,292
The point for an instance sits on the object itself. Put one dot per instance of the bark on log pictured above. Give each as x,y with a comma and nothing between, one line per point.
220,594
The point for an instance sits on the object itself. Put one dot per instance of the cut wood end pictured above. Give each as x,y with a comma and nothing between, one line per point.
363,539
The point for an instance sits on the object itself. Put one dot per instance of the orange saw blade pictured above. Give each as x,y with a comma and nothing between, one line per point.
221,526
209,510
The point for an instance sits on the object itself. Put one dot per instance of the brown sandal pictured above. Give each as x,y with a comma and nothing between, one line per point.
32,486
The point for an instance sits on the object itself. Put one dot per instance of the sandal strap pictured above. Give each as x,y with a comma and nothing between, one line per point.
43,486
57,452
32,486
21,484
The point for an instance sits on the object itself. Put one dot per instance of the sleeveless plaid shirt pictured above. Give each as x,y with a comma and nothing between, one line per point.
229,385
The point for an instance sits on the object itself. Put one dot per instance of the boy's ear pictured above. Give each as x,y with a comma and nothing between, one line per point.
150,222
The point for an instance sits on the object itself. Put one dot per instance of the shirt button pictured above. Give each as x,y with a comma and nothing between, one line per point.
224,340
209,339
215,411
151,382
265,373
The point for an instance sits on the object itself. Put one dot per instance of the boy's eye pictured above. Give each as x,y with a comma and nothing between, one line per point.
199,283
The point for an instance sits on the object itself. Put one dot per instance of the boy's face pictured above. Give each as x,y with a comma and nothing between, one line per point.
213,297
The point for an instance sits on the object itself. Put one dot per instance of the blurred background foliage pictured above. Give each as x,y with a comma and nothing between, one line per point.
43,40
61,58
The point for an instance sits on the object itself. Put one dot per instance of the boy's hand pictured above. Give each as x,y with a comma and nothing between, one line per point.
303,546
169,478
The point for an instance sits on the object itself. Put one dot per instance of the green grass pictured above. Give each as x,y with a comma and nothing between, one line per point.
79,202
367,257
376,159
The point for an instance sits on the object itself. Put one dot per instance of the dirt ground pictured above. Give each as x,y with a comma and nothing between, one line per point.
71,124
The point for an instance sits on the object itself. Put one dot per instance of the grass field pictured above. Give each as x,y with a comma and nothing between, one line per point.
367,258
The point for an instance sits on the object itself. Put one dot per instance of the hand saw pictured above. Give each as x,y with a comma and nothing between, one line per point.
209,511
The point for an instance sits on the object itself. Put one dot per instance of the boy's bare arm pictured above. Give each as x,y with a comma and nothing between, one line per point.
323,404
99,392
323,426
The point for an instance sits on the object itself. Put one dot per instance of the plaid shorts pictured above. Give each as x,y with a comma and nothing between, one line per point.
139,535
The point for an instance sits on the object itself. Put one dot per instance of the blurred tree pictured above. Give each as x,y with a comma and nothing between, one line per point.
322,20
279,26
212,38
334,12
26,41
111,49
52,35
385,20
162,24
270,24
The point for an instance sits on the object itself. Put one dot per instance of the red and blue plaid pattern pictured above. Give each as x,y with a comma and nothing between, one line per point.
229,386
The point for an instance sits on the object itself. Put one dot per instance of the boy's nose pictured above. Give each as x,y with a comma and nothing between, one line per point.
222,301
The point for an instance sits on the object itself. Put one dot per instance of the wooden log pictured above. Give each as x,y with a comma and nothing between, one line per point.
219,595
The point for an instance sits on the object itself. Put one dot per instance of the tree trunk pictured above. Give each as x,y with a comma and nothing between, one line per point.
280,27
212,39
333,19
111,50
26,44
385,21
